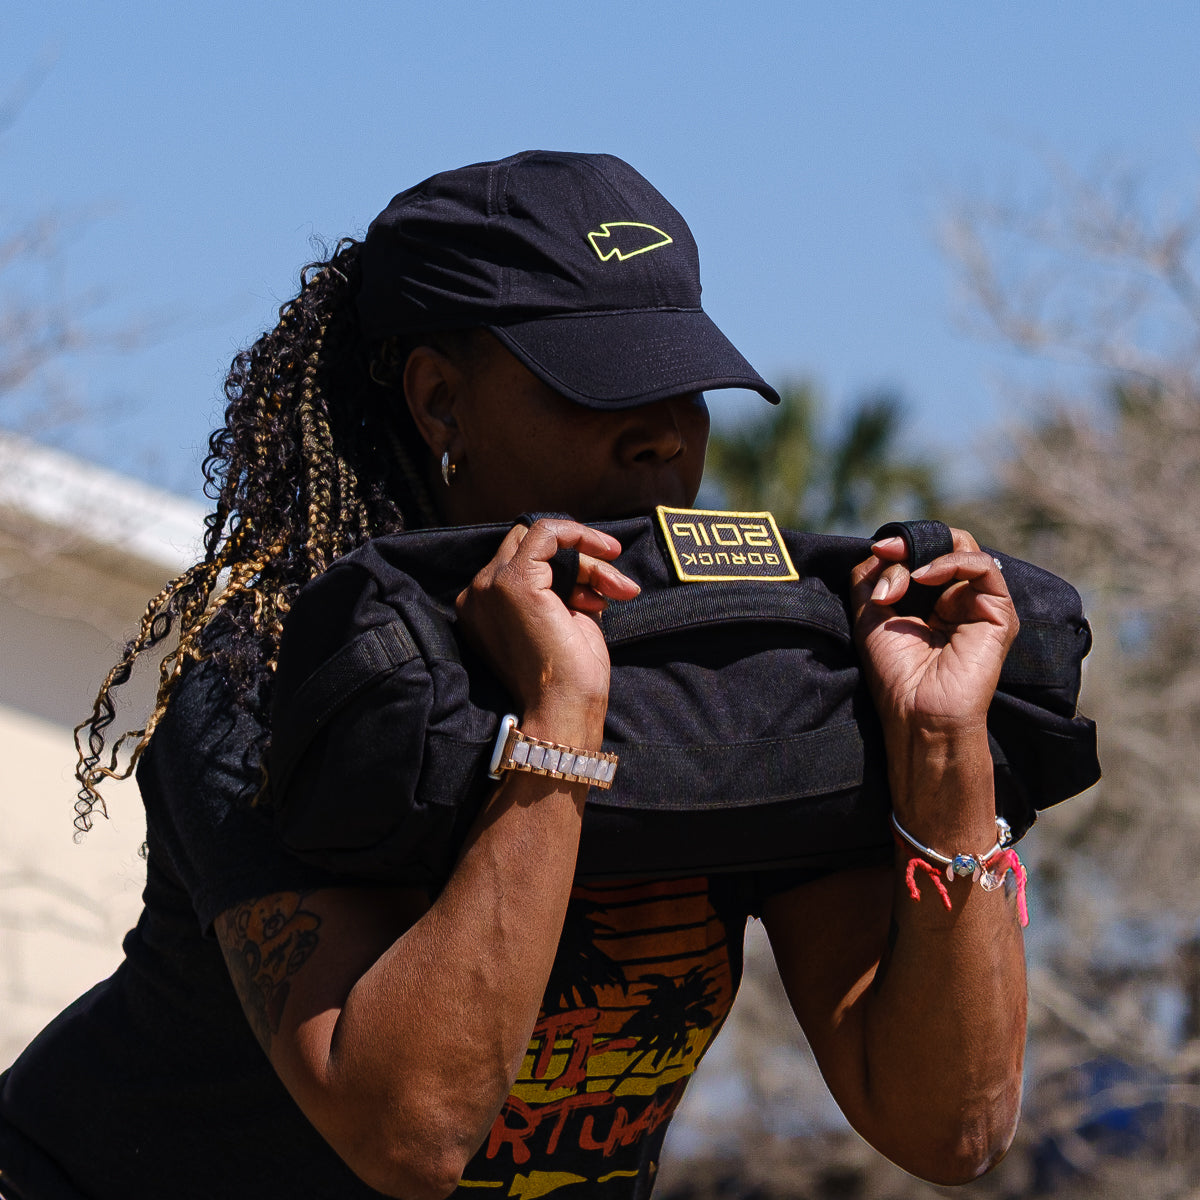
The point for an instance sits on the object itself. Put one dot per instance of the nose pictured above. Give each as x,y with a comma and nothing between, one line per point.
664,430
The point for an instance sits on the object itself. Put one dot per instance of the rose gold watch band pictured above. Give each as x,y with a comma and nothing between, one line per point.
516,751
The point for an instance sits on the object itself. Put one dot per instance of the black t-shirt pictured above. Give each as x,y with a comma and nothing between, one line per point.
152,1083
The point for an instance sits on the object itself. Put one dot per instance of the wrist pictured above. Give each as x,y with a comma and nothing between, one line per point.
577,723
517,750
930,728
942,784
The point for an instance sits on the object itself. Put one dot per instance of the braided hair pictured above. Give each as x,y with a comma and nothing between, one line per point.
317,454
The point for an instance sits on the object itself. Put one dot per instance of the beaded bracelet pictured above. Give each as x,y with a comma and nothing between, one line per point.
988,868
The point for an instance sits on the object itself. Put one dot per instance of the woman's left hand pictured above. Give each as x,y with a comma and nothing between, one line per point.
940,673
903,999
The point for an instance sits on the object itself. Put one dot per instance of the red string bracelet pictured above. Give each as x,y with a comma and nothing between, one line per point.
910,877
989,868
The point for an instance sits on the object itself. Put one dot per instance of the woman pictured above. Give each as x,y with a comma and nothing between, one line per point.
516,336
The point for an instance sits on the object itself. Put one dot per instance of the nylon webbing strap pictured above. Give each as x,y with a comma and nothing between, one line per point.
332,686
655,613
925,541
736,775
564,572
564,565
431,630
686,778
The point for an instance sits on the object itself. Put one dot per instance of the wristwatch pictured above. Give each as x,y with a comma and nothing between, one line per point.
517,751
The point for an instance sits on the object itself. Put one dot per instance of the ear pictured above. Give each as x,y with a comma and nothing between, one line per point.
432,388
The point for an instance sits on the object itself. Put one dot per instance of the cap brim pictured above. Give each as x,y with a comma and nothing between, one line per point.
622,359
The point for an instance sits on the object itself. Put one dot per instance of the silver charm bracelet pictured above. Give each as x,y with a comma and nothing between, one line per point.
963,865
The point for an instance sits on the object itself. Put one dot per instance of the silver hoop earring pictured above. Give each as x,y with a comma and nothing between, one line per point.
448,468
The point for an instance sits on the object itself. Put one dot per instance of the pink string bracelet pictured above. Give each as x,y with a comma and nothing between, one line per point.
989,868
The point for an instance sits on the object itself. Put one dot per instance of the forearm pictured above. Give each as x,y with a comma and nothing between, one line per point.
402,1024
430,1038
944,1018
916,1012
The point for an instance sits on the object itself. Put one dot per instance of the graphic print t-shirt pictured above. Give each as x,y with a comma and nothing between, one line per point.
646,973
157,1065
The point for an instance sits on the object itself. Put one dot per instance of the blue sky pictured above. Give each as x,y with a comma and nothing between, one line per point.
814,149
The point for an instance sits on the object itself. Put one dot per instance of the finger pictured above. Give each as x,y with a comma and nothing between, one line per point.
604,580
892,581
545,536
873,579
892,548
588,601
891,585
508,547
540,543
975,590
978,569
504,554
524,547
888,550
963,540
884,553
863,577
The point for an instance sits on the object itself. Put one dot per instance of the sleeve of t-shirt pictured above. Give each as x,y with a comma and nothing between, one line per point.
199,778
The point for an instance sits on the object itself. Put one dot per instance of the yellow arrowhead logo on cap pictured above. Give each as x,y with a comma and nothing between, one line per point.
624,239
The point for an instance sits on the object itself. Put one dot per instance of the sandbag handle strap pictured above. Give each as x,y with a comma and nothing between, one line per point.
564,565
925,541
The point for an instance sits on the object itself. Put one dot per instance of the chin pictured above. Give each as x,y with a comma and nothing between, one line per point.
624,507
623,512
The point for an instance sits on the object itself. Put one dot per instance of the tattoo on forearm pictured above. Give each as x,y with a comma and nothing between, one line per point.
265,942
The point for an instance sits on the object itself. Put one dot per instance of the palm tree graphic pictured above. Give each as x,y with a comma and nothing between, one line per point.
581,966
673,1006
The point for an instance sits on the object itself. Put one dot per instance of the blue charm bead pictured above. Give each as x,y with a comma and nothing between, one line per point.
964,864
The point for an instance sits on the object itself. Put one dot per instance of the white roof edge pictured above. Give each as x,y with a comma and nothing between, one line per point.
109,509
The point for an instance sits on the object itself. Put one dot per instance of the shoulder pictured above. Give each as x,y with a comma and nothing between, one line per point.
199,779
209,727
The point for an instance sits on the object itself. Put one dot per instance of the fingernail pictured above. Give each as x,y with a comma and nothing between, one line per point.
882,588
921,570
888,543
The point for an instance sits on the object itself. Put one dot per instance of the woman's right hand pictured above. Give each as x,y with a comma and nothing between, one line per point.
550,656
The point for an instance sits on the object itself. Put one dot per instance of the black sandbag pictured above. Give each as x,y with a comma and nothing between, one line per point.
745,731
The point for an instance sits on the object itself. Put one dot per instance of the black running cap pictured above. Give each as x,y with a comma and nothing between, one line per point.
573,261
